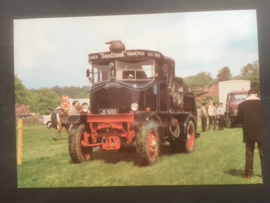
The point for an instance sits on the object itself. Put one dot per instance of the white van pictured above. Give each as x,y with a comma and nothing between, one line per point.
47,118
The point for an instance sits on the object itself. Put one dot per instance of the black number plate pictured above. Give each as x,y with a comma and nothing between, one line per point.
108,111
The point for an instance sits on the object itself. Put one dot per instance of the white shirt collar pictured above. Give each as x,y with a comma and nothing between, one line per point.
251,97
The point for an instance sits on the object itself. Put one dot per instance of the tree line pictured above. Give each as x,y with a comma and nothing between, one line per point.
205,81
44,100
72,92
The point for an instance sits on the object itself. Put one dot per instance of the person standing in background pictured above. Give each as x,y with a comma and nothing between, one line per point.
249,116
211,115
54,121
215,115
204,116
220,115
63,121
74,109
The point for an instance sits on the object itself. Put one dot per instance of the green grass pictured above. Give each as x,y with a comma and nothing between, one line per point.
218,158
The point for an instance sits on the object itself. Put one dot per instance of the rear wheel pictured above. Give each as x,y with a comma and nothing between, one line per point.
187,145
147,145
190,141
77,137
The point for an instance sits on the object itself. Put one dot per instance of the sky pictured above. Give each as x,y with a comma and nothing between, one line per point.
54,51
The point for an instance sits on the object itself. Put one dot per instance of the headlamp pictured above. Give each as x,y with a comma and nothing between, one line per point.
134,107
85,108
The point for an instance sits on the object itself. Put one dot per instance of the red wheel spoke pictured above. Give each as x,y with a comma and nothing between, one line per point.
190,141
83,137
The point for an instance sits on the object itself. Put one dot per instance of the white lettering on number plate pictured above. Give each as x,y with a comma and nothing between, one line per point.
108,111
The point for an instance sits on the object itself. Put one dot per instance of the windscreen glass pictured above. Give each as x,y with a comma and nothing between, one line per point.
239,97
101,72
134,69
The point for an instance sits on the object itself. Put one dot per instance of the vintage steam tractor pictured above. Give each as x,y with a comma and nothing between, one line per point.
135,100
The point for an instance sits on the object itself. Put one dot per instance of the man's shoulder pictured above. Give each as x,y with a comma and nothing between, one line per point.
247,101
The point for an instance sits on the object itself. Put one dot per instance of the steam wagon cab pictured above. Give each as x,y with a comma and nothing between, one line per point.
135,100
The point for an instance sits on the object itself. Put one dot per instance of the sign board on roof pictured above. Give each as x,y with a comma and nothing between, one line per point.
127,53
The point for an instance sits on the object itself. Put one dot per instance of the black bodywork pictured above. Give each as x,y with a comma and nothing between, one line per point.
167,96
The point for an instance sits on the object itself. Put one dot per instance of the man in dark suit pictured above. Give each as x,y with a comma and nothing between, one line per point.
250,118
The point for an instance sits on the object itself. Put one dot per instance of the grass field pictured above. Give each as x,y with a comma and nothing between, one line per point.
218,158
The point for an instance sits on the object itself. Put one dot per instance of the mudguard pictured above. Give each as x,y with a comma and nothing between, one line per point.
78,119
184,121
144,117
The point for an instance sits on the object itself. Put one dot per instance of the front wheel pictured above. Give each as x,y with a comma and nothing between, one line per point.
78,136
228,121
147,145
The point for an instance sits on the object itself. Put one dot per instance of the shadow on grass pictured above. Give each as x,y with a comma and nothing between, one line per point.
235,172
165,150
239,173
113,157
124,154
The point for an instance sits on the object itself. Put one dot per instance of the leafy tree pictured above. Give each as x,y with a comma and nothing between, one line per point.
207,98
224,74
21,109
46,100
72,92
201,80
87,95
22,94
250,72
212,83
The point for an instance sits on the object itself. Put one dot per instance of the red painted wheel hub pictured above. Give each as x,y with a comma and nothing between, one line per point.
190,138
83,150
152,144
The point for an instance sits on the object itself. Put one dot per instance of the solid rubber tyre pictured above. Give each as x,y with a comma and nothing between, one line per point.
78,153
187,145
147,143
190,141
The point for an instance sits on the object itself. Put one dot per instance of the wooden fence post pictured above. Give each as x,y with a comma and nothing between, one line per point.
20,141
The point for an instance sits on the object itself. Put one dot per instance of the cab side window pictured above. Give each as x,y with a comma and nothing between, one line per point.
163,72
229,98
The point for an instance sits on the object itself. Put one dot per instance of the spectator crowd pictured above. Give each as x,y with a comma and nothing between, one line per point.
212,114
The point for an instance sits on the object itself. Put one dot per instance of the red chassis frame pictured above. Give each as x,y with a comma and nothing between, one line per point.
112,123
